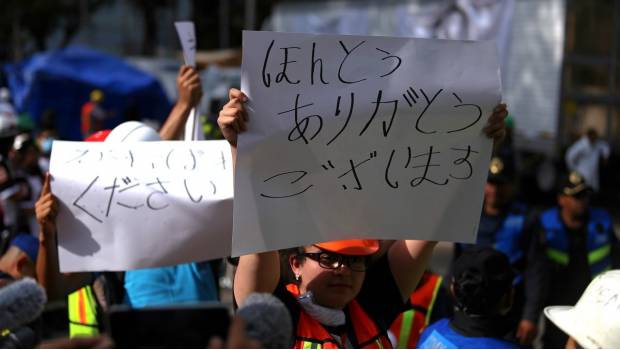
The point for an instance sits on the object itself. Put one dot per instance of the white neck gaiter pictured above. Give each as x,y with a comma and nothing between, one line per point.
324,315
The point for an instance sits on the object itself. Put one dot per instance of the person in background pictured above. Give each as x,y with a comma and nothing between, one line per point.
7,111
20,308
585,157
483,293
184,283
503,224
25,159
20,259
92,114
594,322
576,242
8,188
45,138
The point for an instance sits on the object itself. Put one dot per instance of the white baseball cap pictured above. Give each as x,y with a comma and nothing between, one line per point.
594,322
132,131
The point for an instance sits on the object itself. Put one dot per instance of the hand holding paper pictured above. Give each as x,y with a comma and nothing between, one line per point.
189,86
233,116
495,128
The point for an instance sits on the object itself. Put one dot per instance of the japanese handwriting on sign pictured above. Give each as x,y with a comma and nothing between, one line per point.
127,187
292,55
174,159
116,199
130,193
351,135
350,173
307,125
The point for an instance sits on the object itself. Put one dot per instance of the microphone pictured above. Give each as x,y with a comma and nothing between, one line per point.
21,302
267,320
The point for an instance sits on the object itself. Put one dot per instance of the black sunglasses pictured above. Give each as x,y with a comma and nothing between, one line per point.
333,261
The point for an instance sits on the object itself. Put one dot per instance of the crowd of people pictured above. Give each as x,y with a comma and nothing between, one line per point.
358,293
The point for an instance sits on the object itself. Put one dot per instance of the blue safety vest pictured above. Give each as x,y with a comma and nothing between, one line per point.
599,232
508,236
440,335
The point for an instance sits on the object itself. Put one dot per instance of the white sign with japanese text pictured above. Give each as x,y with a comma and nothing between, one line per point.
143,204
358,136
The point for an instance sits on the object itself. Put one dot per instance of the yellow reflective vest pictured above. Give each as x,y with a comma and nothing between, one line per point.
83,313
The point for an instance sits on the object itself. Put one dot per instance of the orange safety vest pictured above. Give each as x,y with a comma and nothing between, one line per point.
409,325
310,334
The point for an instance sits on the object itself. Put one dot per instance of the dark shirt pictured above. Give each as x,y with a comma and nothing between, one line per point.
578,268
379,297
479,326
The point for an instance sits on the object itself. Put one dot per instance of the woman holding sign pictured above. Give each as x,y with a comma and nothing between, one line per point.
339,299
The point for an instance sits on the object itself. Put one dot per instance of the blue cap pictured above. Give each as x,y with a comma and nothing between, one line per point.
28,244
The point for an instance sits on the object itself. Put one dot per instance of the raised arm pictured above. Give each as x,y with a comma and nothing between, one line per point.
409,258
190,93
255,272
56,285
233,118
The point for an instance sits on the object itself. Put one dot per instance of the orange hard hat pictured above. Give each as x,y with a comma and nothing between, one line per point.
351,246
99,136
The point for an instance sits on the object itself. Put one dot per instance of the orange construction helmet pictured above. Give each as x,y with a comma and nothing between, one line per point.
351,246
99,136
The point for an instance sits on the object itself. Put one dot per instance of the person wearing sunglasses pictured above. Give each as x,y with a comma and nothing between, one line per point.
338,298
577,242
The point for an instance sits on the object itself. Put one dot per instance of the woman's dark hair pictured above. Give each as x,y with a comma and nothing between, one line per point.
482,278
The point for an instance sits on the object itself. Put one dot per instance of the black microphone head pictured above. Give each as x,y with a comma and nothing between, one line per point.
267,320
21,302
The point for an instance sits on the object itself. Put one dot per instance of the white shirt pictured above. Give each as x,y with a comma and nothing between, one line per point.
583,157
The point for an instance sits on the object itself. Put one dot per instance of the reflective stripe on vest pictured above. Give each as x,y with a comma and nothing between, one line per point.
405,329
83,313
410,324
311,345
598,239
310,334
